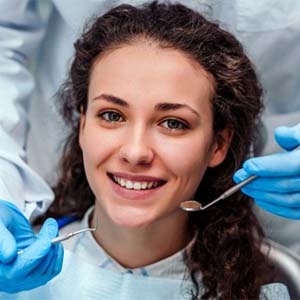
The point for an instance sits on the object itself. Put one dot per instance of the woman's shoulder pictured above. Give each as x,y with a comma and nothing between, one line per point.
274,291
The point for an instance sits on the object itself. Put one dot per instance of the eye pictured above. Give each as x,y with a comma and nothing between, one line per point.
174,124
111,116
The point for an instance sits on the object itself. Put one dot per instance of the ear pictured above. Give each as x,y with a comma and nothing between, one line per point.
81,126
220,147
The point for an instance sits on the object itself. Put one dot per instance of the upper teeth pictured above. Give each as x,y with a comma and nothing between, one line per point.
135,185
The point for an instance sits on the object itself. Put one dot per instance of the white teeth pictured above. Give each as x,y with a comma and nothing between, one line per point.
129,185
135,185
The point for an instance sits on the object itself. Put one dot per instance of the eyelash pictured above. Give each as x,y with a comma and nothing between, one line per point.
181,125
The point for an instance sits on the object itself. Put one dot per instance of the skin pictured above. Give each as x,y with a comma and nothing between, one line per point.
144,140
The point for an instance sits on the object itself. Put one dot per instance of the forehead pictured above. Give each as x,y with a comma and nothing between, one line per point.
144,70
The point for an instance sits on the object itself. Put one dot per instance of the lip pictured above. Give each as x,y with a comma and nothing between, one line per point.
134,194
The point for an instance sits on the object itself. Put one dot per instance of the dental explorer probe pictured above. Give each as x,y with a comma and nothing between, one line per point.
67,236
192,205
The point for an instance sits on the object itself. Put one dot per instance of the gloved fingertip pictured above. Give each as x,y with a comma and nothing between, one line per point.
280,134
240,175
8,253
251,166
288,137
49,229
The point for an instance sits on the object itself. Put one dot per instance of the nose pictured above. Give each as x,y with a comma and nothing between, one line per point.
136,149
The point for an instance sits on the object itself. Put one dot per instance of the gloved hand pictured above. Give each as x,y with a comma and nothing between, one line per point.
277,189
39,261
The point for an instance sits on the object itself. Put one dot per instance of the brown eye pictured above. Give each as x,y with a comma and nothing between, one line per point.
174,124
112,116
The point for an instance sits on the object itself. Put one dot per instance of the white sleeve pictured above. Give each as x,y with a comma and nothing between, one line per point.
21,30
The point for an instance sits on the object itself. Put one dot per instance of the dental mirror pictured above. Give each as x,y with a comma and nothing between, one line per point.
193,205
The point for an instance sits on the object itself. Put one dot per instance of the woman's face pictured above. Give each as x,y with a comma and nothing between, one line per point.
147,135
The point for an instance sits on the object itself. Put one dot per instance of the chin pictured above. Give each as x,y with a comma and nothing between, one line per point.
132,218
132,224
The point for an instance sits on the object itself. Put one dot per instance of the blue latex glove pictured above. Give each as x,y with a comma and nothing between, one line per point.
277,189
39,262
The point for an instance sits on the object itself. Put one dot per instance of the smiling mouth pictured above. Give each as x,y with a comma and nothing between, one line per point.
136,185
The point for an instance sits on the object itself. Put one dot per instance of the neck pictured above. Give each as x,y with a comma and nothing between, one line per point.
142,246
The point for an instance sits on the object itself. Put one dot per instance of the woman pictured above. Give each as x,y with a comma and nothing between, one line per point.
163,107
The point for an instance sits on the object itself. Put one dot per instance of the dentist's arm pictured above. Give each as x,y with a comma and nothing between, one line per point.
21,31
277,189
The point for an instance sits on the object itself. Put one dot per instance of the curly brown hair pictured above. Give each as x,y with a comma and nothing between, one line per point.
227,250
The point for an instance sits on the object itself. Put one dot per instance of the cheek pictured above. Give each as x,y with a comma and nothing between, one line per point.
97,146
187,158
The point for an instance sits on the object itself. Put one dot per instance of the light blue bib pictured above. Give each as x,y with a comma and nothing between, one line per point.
79,280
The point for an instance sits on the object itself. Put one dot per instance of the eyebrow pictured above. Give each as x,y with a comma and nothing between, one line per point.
164,106
112,99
